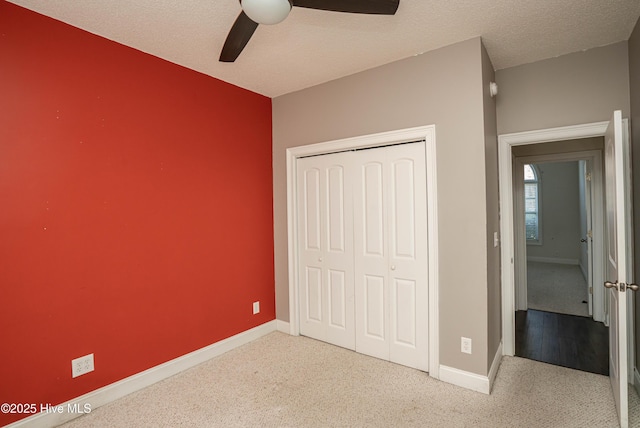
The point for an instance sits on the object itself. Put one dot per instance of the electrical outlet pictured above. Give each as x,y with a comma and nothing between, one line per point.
82,365
256,308
465,345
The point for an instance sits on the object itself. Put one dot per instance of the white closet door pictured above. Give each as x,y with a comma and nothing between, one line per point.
325,242
390,247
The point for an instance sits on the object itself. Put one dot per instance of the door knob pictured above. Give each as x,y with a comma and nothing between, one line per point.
609,284
583,240
393,267
634,287
319,259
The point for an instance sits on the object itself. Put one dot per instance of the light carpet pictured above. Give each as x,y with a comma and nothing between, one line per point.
557,288
286,381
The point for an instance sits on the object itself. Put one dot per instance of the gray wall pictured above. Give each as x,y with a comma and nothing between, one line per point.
634,84
581,87
442,87
560,212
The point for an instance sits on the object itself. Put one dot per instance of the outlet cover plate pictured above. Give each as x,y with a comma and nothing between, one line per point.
82,365
465,345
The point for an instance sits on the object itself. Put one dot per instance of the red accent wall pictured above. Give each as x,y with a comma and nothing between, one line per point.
136,217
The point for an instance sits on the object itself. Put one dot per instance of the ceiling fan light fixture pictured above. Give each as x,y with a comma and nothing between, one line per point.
267,12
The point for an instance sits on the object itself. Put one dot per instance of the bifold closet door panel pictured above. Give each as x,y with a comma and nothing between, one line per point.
390,249
408,272
370,258
325,244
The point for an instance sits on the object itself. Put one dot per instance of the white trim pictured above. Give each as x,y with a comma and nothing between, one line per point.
365,141
561,133
520,241
631,330
468,380
283,326
553,260
292,244
505,168
495,365
505,188
432,255
426,133
138,381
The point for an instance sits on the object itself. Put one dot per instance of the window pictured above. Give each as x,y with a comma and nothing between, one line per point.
531,203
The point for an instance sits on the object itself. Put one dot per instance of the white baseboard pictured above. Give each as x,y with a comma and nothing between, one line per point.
141,380
553,260
585,274
470,380
283,326
495,365
467,380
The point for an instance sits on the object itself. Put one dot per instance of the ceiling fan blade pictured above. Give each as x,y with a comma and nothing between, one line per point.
238,38
377,7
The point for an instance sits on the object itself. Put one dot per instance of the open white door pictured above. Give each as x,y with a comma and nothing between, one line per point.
617,269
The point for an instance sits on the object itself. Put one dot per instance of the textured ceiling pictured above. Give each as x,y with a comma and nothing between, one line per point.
312,47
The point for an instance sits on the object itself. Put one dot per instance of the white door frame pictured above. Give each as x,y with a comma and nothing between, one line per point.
426,133
594,157
505,176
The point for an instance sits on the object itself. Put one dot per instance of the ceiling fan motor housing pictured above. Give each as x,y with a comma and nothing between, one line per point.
267,12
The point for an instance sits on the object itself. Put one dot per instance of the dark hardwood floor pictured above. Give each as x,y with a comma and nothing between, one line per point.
563,340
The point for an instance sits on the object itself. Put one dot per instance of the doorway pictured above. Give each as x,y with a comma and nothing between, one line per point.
575,139
558,212
558,216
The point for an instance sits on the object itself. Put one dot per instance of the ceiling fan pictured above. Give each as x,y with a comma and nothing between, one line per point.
255,12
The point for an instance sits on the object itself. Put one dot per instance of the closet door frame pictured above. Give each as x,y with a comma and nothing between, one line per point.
426,133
